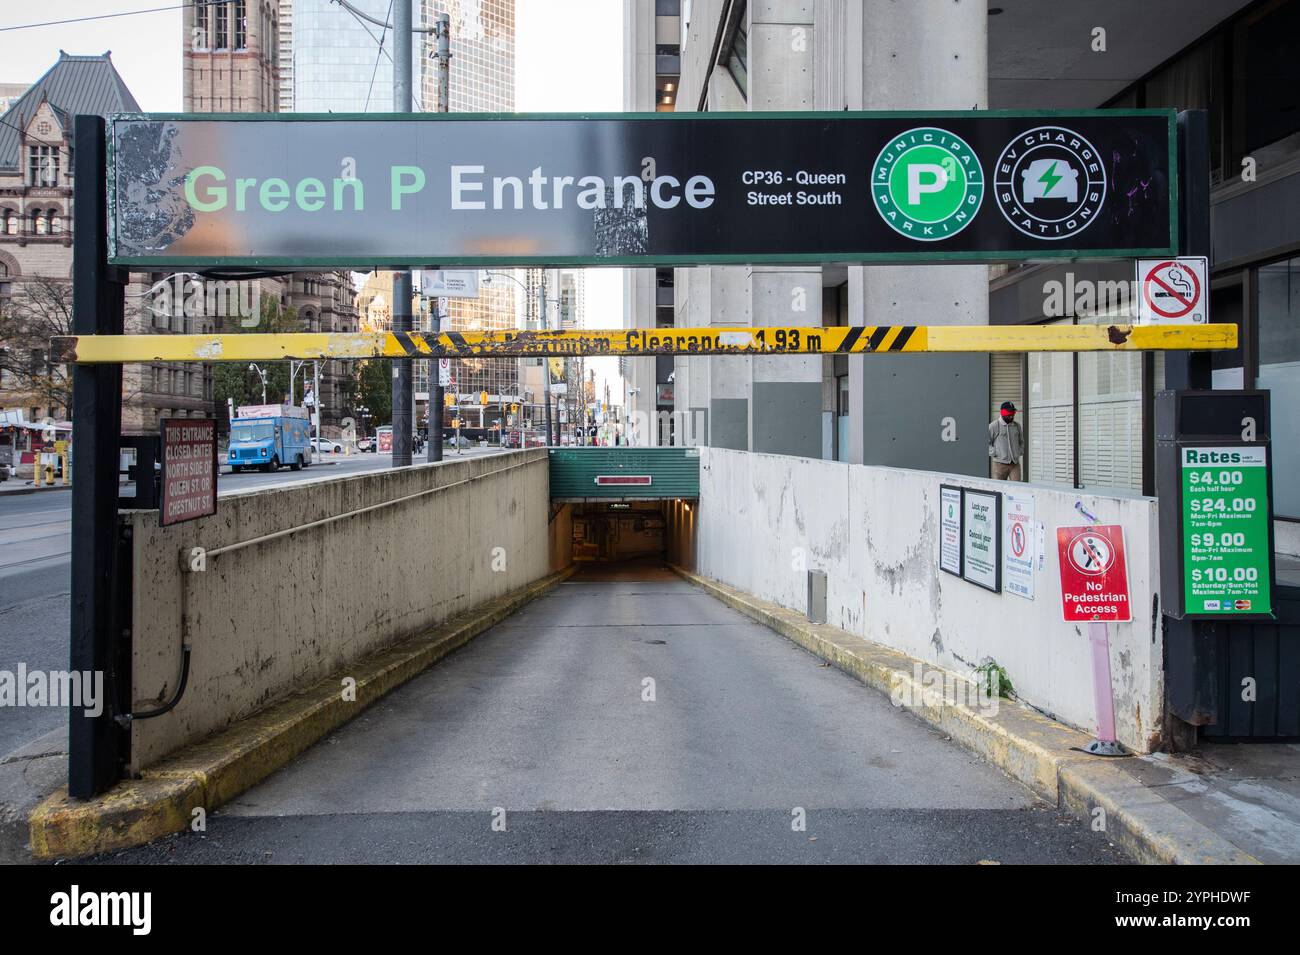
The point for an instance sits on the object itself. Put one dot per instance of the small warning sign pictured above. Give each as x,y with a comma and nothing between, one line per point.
1094,574
189,469
1172,291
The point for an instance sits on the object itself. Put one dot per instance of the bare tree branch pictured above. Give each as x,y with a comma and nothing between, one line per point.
38,310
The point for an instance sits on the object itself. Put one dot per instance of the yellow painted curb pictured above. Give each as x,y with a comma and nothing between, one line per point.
211,773
1030,747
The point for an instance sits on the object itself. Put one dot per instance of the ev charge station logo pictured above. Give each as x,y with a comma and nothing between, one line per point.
927,184
1050,183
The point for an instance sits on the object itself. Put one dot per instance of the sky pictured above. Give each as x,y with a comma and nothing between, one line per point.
569,58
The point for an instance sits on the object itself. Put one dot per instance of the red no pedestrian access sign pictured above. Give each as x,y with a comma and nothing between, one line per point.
1094,574
1172,291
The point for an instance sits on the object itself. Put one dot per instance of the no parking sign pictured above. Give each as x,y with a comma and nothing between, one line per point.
1172,291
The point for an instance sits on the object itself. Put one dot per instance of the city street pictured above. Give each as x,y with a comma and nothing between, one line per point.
34,584
33,602
545,717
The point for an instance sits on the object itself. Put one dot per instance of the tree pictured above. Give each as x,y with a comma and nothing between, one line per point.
39,310
374,389
237,381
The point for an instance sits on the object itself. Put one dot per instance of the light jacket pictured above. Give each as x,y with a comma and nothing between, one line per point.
1006,442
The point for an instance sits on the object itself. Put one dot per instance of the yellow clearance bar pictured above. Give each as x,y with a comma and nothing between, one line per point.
769,340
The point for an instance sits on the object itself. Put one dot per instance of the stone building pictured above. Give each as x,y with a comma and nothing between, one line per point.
231,64
36,188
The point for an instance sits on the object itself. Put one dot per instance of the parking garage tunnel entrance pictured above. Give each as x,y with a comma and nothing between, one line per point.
627,505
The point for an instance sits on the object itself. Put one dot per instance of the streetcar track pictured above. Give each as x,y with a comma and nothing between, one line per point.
39,598
33,560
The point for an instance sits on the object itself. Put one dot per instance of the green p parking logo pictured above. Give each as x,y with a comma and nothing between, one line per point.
927,184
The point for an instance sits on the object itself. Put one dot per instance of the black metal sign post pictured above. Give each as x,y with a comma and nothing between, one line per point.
96,745
1199,652
1189,645
1186,370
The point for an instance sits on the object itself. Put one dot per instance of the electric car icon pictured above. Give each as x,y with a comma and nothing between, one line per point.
1049,179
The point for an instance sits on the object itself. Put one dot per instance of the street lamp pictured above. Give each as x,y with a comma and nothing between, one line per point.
363,412
294,368
261,374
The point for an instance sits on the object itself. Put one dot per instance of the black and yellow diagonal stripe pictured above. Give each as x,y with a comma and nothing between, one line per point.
715,340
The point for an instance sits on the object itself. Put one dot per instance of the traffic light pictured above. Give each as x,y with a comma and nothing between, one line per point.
449,399
514,409
483,398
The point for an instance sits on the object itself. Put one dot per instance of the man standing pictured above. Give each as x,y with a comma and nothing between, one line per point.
1006,444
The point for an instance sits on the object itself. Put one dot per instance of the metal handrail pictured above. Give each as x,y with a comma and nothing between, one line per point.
275,535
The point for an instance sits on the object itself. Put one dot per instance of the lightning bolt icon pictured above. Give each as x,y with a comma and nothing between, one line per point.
1050,178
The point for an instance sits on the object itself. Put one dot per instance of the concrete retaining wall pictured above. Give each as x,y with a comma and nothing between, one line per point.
681,517
270,618
765,520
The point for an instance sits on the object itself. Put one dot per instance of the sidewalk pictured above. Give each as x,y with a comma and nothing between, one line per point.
20,486
1247,793
1225,804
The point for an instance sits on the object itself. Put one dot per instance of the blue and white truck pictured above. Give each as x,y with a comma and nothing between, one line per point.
269,436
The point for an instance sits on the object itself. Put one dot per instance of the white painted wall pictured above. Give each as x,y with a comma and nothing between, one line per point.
767,519
1286,537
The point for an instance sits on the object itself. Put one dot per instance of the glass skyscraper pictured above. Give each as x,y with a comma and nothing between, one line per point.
334,64
482,81
335,60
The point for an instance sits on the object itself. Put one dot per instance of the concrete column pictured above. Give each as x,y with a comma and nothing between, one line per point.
692,374
729,377
923,54
785,393
639,284
639,307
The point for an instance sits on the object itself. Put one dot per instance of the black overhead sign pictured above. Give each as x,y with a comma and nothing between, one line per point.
639,189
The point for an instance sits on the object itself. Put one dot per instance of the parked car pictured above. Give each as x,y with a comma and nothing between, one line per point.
365,444
327,445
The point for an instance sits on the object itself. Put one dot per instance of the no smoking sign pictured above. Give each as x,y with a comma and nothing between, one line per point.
1172,291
